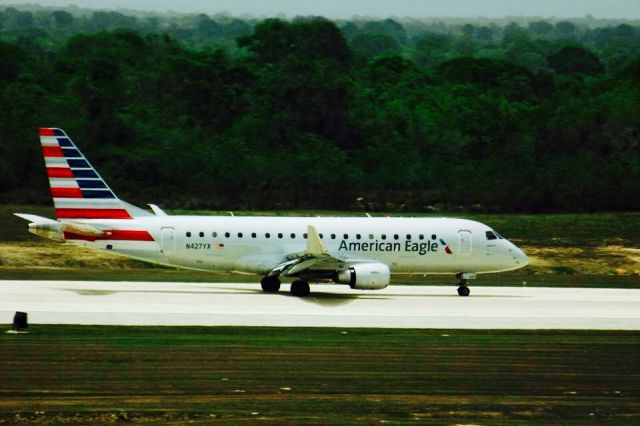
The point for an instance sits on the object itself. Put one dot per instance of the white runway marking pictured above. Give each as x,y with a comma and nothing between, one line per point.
144,303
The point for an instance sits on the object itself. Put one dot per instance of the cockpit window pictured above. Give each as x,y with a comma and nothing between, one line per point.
498,235
491,236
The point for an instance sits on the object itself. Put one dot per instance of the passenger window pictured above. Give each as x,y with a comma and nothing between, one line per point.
280,235
491,236
384,236
188,234
333,236
396,236
357,236
253,235
267,235
304,236
346,236
214,235
201,234
321,236
239,234
293,236
433,236
421,236
408,236
371,236
227,235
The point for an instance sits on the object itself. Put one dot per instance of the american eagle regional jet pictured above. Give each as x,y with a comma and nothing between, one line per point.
361,252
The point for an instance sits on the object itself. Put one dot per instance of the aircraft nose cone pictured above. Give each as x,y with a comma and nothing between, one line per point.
519,257
524,260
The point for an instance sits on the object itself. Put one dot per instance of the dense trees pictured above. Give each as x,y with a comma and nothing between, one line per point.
306,113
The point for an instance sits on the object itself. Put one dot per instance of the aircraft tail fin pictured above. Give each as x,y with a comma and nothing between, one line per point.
78,191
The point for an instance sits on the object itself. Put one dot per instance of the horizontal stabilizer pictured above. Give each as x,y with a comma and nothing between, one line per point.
52,229
34,218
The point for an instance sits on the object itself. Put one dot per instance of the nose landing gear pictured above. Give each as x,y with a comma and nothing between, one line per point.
463,290
463,277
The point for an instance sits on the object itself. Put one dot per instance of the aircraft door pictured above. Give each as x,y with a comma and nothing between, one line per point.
168,240
465,242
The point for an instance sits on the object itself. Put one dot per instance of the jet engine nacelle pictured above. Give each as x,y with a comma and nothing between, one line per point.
365,276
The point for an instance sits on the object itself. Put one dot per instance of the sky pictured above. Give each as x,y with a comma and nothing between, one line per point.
628,9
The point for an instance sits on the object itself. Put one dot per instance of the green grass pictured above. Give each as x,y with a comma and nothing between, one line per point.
84,374
172,275
150,273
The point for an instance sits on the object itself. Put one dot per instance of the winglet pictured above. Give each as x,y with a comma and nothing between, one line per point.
314,244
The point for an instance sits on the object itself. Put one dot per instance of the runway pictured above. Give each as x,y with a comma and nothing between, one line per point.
225,304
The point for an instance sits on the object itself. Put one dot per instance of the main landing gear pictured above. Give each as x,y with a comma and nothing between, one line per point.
271,284
463,277
300,288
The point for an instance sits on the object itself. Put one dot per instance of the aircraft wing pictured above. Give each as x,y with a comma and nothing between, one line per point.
316,257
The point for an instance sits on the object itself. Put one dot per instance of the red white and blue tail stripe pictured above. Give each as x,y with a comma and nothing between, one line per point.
78,190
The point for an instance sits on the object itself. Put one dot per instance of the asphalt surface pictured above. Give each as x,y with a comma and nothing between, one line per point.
218,304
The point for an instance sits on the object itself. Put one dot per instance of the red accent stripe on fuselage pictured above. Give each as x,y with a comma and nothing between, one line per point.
114,235
59,172
52,151
66,193
92,214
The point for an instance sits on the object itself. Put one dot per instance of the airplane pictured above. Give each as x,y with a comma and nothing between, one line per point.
361,252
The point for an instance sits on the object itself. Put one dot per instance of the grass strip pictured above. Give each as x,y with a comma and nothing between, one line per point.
87,374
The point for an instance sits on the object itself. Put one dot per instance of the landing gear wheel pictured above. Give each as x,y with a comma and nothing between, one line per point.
300,288
462,277
463,291
270,284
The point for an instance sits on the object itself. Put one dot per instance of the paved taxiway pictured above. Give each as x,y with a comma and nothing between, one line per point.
145,303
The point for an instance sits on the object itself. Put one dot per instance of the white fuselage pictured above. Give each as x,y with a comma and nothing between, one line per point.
257,244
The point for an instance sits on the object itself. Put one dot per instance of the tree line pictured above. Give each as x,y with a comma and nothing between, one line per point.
310,113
